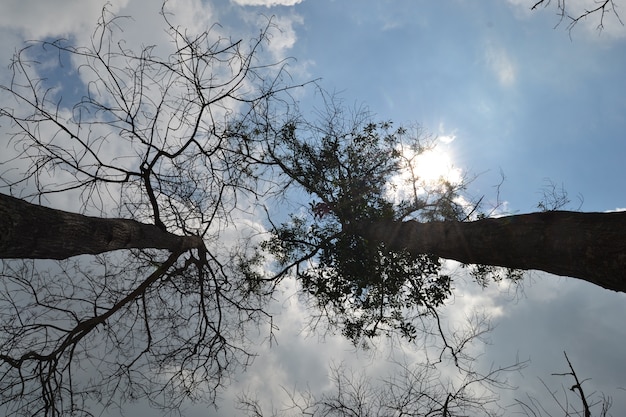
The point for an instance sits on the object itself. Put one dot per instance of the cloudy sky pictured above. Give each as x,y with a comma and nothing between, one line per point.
511,94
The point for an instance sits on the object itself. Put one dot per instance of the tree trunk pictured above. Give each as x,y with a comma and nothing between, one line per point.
589,246
35,232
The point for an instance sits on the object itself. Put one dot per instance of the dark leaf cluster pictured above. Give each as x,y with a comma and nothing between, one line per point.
361,287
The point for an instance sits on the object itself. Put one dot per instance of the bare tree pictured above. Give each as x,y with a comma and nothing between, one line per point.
406,389
150,159
588,403
600,8
420,389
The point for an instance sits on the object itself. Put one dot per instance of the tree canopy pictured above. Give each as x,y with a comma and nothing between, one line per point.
361,286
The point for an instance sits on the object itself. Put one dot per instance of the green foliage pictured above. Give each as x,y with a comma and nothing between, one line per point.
361,287
347,171
485,274
369,290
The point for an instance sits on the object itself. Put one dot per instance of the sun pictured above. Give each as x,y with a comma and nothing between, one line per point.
435,165
424,172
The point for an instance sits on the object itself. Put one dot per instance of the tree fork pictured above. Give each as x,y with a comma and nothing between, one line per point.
589,246
31,231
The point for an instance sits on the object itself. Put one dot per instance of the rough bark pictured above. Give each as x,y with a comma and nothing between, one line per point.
31,231
589,246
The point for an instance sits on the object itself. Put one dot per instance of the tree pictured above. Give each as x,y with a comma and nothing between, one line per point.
359,286
160,157
369,249
150,158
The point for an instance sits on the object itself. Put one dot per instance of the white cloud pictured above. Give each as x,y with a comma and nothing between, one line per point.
445,137
38,19
22,20
267,3
500,64
285,37
282,36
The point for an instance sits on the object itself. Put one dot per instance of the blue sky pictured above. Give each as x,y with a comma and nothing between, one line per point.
519,96
511,88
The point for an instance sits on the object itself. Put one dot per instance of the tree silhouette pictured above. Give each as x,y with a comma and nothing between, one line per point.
151,162
372,261
359,285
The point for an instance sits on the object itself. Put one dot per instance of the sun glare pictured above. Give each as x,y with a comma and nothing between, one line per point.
435,165
424,172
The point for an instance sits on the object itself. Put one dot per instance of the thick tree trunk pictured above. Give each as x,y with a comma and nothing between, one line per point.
589,246
35,232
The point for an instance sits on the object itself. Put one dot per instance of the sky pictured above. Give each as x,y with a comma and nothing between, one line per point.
510,95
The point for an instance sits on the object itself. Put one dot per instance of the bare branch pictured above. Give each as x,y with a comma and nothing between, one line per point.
532,407
600,7
156,174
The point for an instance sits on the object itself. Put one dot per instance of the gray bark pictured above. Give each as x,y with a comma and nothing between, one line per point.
589,246
31,231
